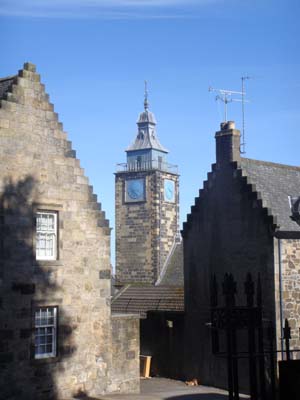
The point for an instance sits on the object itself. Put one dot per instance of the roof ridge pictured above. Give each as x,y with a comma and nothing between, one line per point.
8,78
120,292
279,165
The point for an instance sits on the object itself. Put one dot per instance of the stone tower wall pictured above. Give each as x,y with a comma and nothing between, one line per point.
167,217
133,233
40,171
145,231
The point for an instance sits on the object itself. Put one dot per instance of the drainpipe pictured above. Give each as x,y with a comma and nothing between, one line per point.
280,297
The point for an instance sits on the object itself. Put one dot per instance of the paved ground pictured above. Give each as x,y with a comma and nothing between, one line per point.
168,389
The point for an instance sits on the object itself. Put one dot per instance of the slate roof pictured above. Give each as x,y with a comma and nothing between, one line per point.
146,138
146,116
166,295
139,299
146,141
173,273
5,84
274,182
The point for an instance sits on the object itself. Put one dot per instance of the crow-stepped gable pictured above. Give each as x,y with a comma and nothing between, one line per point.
55,318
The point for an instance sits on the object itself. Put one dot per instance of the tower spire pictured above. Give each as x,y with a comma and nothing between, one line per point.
146,104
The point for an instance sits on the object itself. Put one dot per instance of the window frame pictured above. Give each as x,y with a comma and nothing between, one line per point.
139,162
54,326
55,231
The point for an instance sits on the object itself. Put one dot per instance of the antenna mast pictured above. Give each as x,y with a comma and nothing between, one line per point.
225,96
243,144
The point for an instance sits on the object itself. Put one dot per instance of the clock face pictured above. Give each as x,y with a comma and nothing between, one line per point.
169,190
134,190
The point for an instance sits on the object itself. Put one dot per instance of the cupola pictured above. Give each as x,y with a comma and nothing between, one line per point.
146,152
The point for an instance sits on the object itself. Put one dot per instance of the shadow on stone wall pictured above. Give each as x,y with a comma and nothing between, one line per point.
25,285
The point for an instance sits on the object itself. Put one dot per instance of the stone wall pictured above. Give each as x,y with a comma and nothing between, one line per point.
168,219
40,171
288,250
227,232
125,353
145,231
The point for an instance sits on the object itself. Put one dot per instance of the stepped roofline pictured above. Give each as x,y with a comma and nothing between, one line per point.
271,183
13,92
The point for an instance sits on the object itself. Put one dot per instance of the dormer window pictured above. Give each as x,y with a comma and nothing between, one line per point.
141,135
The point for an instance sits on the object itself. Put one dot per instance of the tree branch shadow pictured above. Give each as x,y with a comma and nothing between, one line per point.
26,284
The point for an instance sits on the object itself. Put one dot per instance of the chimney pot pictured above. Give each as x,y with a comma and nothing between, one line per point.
227,144
227,125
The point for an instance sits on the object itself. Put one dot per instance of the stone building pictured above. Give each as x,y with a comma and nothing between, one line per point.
147,201
241,222
56,327
149,258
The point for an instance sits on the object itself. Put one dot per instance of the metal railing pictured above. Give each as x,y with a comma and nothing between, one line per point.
147,166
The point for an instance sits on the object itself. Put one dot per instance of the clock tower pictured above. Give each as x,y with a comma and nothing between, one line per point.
147,206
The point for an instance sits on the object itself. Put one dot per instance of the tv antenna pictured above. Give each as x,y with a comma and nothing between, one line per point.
226,97
243,144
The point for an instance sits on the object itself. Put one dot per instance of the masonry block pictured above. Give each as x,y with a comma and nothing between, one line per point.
38,176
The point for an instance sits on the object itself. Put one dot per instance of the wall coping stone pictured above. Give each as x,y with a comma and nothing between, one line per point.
125,316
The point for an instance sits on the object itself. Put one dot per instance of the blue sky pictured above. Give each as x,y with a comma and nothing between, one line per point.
94,55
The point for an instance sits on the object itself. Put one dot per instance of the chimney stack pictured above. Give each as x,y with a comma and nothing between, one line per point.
228,142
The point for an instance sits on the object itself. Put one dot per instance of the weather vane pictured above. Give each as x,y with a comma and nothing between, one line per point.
146,104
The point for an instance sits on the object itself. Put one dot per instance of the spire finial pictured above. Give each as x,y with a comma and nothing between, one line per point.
146,104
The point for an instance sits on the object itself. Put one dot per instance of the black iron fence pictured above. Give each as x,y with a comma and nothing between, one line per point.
243,337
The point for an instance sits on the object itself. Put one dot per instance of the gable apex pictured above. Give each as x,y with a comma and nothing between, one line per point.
28,120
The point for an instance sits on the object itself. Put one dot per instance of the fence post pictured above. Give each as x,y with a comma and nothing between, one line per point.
249,291
287,337
261,357
272,361
229,291
214,304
